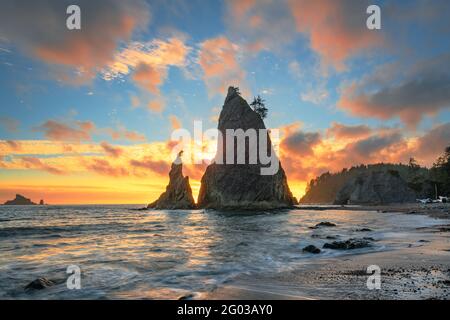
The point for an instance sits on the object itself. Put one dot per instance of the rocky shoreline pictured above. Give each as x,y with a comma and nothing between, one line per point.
434,210
417,272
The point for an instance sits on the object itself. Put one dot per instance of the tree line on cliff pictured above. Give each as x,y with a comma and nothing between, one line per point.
425,182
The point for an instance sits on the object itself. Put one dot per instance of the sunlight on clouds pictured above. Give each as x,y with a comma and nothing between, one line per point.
157,53
218,58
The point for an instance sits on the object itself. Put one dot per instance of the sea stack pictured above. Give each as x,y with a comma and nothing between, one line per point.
178,194
242,186
20,201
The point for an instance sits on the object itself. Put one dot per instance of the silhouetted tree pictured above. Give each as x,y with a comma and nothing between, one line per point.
413,166
441,172
259,106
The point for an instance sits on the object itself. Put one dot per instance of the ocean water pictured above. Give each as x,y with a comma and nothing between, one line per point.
129,254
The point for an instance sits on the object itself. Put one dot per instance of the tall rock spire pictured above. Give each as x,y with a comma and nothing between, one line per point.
242,186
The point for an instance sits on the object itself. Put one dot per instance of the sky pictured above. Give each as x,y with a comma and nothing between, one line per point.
87,115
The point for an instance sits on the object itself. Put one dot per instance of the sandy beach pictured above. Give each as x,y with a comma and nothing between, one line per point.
421,271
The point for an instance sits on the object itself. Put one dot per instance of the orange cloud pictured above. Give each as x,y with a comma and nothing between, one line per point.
48,147
340,131
301,143
174,122
380,147
84,130
13,145
219,62
59,131
431,144
391,91
122,133
158,53
150,62
306,155
35,163
239,8
104,26
149,77
337,29
114,152
147,163
260,25
103,167
156,105
256,21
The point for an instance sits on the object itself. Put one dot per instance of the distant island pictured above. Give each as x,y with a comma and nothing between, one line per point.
20,200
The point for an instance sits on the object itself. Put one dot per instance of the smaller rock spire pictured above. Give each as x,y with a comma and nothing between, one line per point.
178,194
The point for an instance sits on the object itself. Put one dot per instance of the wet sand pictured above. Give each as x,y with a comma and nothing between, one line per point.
435,210
421,271
413,273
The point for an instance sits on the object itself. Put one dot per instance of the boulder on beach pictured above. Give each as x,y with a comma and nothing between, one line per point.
230,185
348,244
311,249
376,187
39,284
19,200
323,224
178,194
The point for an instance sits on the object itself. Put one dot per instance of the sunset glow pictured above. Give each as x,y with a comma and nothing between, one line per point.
87,115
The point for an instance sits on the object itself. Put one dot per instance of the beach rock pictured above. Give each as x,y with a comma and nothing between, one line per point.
324,237
178,194
188,296
19,200
375,187
348,244
311,249
323,224
363,230
39,284
242,186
